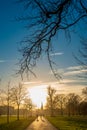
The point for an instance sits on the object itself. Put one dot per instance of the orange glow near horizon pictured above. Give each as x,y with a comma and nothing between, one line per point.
38,95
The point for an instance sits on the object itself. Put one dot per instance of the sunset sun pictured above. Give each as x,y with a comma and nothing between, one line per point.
38,95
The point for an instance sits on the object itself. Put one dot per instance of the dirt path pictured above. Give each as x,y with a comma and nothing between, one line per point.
41,124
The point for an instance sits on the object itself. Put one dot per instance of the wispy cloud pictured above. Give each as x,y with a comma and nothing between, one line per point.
32,82
71,76
57,54
2,61
74,70
65,87
72,73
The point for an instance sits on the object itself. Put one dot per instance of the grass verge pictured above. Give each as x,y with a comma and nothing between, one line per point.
22,124
69,123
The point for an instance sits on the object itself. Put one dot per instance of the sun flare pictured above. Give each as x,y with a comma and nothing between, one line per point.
38,95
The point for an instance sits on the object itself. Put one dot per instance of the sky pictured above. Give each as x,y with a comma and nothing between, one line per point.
12,32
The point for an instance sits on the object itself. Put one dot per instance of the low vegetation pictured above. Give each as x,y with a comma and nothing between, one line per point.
14,124
69,123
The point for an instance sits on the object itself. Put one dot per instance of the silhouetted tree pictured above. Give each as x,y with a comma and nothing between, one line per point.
84,92
8,101
46,18
72,103
51,100
5,99
28,105
18,94
1,97
83,108
61,102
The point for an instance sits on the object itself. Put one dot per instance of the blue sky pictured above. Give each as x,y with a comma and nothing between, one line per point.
12,32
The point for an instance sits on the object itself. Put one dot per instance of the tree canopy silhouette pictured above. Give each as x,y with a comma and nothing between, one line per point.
45,18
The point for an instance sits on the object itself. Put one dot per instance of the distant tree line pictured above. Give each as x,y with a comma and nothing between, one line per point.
57,104
70,104
15,97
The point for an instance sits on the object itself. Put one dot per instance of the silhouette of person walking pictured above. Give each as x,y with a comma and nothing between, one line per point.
37,117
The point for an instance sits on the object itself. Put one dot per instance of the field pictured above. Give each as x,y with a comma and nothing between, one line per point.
14,124
69,123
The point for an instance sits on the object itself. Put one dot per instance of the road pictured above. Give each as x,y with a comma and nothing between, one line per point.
41,124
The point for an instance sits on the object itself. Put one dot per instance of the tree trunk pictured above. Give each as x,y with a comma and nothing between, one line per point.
61,109
18,113
8,113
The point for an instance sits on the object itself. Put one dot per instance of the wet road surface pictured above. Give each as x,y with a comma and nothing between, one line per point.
41,124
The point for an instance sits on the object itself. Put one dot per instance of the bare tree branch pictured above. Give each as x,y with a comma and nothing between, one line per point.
44,20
